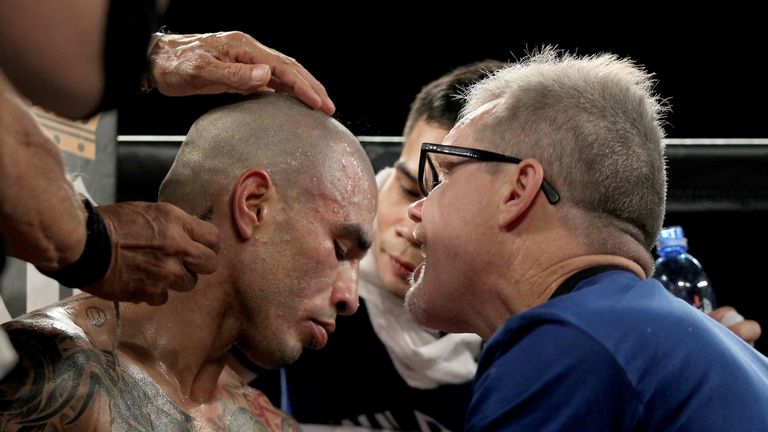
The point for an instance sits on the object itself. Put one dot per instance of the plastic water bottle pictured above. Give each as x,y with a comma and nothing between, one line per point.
680,273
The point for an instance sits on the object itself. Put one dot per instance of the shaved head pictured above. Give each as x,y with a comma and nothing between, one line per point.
298,147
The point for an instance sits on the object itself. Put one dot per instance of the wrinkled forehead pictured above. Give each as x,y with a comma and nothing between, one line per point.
467,131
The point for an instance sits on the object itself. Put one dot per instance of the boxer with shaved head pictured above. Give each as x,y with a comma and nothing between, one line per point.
293,196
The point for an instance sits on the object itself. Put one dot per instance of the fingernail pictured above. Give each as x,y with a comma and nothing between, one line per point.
259,73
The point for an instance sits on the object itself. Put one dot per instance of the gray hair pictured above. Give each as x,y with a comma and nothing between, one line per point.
595,125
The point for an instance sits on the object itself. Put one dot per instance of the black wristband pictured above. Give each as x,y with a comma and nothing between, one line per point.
96,258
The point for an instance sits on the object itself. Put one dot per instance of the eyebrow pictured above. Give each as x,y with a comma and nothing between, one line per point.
400,167
355,232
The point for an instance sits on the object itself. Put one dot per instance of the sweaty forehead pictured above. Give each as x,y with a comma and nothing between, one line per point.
350,208
346,186
347,172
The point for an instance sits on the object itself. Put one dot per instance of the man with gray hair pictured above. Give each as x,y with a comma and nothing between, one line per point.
541,208
293,196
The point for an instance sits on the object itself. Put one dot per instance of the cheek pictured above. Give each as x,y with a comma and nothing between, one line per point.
388,218
444,230
305,261
387,200
318,264
458,232
392,211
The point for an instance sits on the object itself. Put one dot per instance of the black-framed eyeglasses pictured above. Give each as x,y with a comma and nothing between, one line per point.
429,178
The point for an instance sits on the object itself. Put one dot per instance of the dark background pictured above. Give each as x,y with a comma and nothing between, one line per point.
374,58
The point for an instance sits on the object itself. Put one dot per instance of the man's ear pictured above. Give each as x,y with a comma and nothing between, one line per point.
251,195
521,187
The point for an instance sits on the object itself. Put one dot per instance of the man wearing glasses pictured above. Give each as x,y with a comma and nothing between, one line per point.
540,212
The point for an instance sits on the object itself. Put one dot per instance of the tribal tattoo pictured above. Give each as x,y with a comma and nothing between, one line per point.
63,382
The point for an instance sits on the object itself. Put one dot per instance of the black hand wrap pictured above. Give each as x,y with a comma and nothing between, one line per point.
96,258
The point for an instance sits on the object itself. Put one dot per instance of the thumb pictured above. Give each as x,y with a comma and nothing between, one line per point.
243,78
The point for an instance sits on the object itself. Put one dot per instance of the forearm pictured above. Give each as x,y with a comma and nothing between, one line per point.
53,52
41,216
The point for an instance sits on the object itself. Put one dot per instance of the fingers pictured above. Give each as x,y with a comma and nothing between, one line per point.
181,278
158,299
202,232
218,76
288,78
200,259
326,105
288,74
231,62
731,318
198,246
719,314
157,247
172,275
291,78
748,330
200,255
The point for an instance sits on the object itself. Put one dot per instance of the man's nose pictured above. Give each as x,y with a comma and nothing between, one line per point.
414,210
345,291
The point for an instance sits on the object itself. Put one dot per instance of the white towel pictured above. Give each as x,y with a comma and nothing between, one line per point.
423,358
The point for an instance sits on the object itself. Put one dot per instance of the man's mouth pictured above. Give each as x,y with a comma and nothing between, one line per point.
321,330
401,268
417,275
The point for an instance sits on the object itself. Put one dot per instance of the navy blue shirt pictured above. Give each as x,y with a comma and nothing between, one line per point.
618,354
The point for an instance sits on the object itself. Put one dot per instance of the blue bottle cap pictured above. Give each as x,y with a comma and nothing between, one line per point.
671,237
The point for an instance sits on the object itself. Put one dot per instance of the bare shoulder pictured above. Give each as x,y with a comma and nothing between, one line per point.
248,409
59,368
70,378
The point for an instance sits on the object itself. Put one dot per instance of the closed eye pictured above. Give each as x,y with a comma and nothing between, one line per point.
407,180
446,167
350,242
411,193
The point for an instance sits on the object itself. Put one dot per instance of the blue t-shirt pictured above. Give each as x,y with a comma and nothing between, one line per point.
618,354
352,381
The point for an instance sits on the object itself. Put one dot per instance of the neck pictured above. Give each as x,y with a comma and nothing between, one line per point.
536,286
183,344
568,268
541,285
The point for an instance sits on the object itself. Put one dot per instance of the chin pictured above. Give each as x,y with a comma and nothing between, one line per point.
291,354
279,355
284,359
395,285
